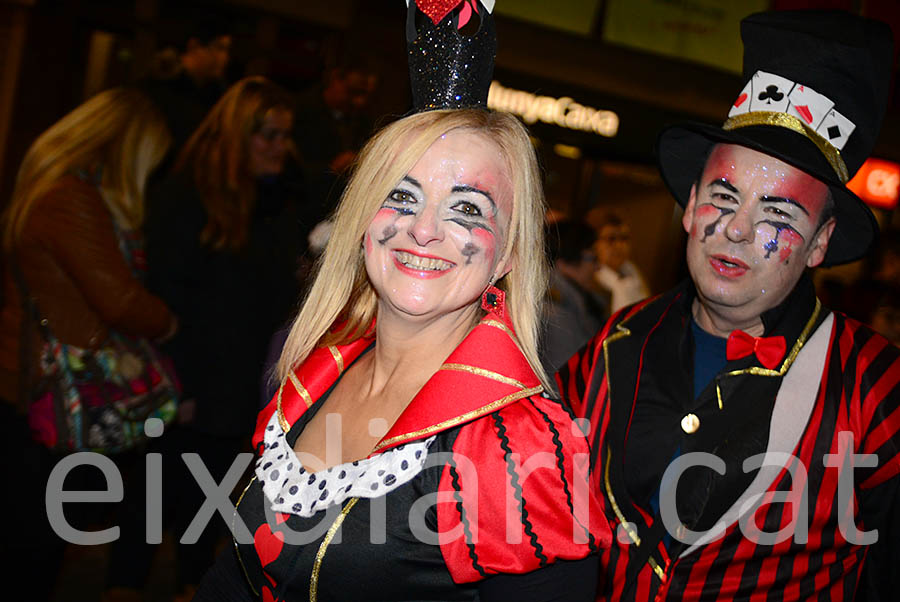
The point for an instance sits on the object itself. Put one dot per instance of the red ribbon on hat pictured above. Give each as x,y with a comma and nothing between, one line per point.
437,9
769,350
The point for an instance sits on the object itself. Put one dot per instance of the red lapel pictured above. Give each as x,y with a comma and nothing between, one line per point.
308,383
484,373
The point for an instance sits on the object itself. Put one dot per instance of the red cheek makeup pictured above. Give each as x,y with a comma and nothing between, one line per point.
485,241
385,223
791,239
706,212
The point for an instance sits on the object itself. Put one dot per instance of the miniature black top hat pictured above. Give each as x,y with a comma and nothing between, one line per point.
814,95
448,69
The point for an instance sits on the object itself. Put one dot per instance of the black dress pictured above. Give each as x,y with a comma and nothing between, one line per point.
468,513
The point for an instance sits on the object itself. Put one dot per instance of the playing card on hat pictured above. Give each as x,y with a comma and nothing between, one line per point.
836,129
808,105
742,102
769,92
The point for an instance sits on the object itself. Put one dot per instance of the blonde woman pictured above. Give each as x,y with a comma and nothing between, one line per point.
71,233
410,453
79,182
223,242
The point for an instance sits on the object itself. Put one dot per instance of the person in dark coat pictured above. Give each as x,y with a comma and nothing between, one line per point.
223,240
187,76
330,128
575,309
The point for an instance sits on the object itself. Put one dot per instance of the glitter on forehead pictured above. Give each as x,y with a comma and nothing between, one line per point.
781,179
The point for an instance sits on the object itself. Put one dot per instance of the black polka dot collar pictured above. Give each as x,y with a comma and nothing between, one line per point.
291,489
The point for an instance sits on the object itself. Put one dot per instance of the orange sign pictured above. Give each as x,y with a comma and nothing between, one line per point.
877,183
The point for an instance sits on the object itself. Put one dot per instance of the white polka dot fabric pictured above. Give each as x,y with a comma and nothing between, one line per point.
291,489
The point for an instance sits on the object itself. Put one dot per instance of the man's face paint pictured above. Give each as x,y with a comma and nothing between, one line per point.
752,224
439,235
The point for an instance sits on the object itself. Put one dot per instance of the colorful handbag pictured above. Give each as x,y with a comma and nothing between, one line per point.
97,399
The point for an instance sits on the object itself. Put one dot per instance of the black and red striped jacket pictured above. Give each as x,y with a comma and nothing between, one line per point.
634,381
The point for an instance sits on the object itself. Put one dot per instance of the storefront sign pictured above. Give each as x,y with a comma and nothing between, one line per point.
877,183
564,112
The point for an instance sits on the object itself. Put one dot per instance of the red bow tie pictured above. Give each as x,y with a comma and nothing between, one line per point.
769,350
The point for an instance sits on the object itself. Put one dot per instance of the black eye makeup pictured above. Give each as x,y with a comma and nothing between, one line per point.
778,212
783,207
467,208
470,214
722,189
725,197
711,228
402,201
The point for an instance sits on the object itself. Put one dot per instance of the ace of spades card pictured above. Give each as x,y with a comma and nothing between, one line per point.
810,106
769,92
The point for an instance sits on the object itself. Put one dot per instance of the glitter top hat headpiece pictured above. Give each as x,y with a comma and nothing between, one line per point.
447,68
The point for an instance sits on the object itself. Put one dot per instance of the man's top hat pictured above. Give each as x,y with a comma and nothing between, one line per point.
814,95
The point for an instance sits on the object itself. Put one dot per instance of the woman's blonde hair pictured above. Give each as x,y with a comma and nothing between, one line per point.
218,153
341,291
118,131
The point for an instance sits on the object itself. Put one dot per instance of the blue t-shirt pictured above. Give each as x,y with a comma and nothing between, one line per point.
709,357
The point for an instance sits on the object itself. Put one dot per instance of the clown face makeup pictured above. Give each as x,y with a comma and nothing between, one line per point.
752,224
437,240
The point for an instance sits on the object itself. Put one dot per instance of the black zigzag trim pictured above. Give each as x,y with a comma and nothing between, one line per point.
467,532
560,463
564,405
517,490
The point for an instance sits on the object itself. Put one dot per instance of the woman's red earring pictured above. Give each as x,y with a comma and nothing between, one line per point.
493,300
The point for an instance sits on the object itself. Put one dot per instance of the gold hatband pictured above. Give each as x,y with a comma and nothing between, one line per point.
790,122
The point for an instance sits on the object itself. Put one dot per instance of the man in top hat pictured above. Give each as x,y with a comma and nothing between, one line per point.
745,438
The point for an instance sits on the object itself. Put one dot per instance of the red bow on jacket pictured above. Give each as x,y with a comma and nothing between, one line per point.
769,350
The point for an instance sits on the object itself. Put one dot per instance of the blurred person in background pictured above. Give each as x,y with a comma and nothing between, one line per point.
617,274
575,310
187,76
223,240
72,233
887,268
885,319
331,125
875,299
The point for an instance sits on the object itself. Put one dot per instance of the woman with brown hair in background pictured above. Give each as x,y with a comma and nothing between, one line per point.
223,240
71,244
